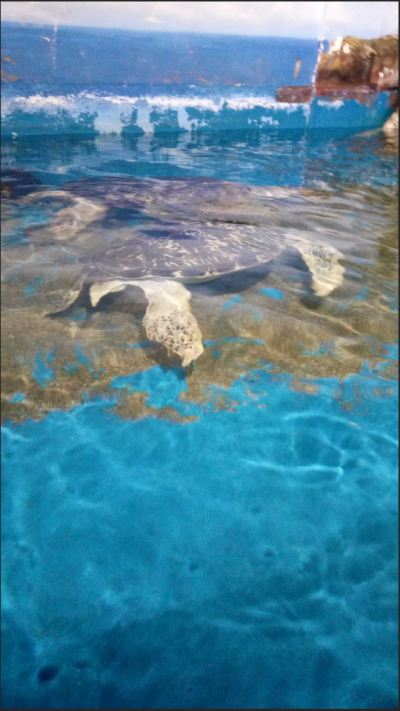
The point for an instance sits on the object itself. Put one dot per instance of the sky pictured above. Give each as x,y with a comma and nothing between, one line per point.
281,19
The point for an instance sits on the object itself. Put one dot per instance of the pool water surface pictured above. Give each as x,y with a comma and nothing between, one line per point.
222,535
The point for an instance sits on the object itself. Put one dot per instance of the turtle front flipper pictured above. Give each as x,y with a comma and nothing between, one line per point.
323,263
168,318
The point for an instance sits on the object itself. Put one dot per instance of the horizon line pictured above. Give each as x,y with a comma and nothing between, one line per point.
160,31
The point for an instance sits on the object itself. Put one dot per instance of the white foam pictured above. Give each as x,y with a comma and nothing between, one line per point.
269,120
37,101
331,104
109,119
165,101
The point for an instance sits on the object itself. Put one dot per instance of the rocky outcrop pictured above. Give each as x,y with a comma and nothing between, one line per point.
352,68
360,63
391,127
385,69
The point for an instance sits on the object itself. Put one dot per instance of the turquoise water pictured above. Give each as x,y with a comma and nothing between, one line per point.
223,536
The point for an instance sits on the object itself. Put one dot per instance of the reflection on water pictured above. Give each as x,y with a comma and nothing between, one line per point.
342,192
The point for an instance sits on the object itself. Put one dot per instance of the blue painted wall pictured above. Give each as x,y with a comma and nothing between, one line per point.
93,81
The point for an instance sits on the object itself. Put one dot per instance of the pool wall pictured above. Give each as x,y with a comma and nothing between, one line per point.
90,81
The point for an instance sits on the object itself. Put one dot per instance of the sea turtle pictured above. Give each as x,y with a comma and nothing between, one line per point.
202,235
186,199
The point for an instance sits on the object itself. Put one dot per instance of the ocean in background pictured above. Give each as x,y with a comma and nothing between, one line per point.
77,55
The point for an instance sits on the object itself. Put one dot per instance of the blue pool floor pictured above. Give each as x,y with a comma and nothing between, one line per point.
236,561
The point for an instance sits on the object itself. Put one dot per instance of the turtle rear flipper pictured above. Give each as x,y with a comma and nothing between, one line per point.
68,221
323,263
73,296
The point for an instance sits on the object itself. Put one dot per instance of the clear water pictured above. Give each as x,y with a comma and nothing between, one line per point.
223,536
